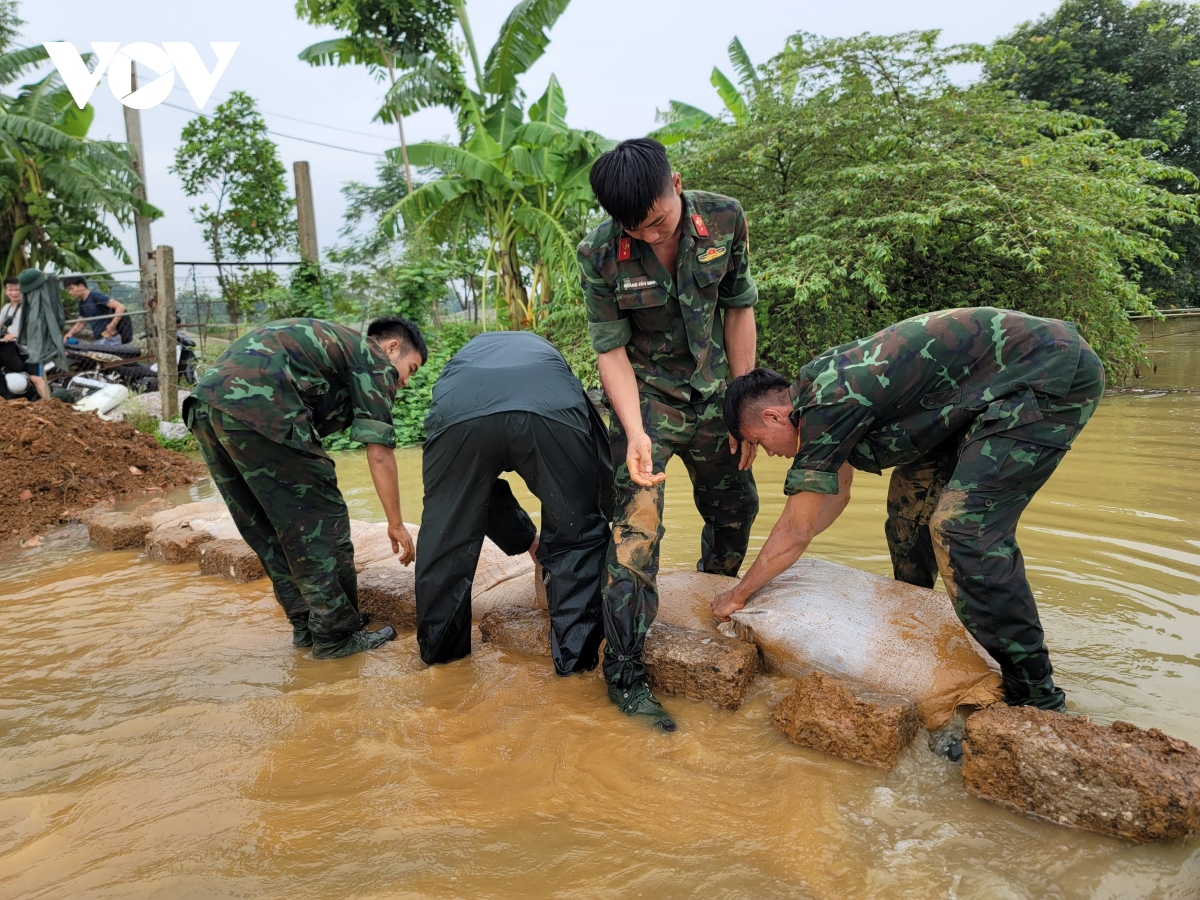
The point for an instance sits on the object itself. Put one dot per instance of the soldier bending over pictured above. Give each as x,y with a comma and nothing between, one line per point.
259,415
975,408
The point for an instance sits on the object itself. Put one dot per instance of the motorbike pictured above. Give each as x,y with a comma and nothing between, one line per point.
97,366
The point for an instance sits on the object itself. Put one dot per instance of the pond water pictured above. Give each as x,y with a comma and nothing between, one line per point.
159,737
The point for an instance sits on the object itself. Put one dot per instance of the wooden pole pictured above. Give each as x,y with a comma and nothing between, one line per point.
306,223
164,343
133,134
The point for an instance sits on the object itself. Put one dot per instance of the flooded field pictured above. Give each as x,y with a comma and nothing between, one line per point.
159,737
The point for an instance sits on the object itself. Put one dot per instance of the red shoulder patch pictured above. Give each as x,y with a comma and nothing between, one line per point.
701,228
624,249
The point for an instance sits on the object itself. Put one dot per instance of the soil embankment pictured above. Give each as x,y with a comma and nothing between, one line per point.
56,460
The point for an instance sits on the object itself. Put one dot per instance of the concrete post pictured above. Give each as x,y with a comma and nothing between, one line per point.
164,333
133,134
306,223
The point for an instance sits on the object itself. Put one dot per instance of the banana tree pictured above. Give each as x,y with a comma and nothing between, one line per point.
58,189
681,119
523,181
385,36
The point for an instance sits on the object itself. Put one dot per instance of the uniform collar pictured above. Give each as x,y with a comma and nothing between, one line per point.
688,212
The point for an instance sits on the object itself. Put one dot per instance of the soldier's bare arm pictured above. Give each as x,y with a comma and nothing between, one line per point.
616,374
805,515
741,346
381,460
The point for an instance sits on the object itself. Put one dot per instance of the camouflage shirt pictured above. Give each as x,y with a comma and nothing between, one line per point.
888,399
668,323
297,380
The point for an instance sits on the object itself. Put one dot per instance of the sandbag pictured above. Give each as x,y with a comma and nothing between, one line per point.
882,634
180,516
500,580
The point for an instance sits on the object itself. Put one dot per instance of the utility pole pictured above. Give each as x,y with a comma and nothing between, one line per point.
306,223
164,333
133,134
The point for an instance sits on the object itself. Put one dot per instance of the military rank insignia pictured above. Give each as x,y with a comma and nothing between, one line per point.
708,254
624,249
701,228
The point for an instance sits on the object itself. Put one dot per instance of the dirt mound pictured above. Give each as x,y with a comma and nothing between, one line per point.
56,460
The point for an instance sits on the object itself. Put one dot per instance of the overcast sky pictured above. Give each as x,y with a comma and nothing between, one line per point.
618,61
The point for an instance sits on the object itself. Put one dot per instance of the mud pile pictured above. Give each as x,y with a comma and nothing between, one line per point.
56,460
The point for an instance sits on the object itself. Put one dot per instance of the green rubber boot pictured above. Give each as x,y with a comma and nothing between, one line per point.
301,636
354,643
636,700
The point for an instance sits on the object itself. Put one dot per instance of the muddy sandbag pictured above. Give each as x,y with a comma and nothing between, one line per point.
1117,780
182,515
684,598
881,634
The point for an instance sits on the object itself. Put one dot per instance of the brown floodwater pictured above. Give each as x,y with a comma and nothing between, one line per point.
159,737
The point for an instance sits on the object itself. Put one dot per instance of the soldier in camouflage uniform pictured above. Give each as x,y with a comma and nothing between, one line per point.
974,408
259,415
670,302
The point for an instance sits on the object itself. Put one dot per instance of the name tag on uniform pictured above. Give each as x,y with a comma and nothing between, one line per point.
638,284
711,253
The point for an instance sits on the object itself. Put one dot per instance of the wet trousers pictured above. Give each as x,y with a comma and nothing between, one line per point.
466,500
955,511
726,498
287,507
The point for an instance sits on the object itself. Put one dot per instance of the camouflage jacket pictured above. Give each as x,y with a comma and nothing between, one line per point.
888,399
297,380
669,325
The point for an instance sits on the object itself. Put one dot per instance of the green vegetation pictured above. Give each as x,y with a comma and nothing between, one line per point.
517,178
1136,67
412,403
384,36
228,159
60,193
876,189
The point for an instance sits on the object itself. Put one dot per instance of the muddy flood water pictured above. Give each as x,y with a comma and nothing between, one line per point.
159,737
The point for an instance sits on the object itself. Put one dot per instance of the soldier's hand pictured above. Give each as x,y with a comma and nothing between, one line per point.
724,605
402,543
749,451
639,457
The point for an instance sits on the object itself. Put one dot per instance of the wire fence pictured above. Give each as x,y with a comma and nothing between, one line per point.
199,304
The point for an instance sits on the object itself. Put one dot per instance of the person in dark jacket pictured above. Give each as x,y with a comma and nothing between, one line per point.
507,402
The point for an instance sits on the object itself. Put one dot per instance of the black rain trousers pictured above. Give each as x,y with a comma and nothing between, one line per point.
466,500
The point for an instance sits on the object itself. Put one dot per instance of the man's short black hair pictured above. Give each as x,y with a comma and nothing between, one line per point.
401,329
750,392
72,280
13,279
629,178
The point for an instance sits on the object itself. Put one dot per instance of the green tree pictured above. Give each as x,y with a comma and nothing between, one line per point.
518,177
1137,67
682,119
228,158
59,191
876,189
383,35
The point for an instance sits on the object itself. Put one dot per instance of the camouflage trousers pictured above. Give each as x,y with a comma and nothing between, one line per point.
955,511
288,508
725,497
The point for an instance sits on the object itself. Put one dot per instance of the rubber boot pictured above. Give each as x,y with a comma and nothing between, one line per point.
353,643
1043,694
301,636
636,700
